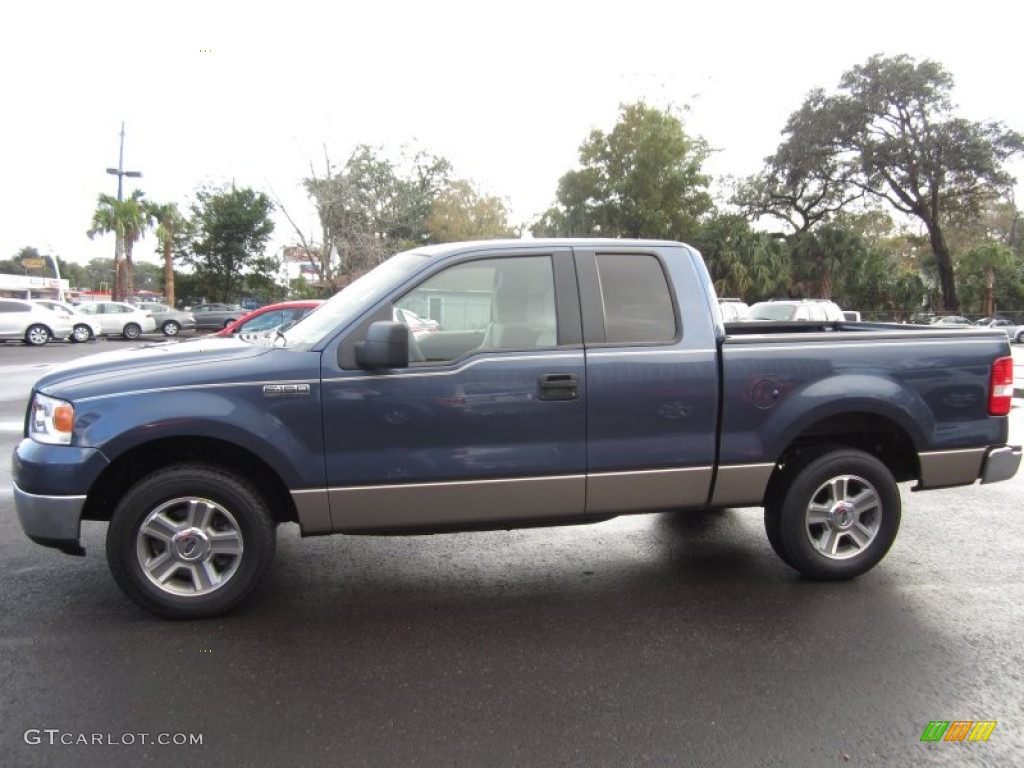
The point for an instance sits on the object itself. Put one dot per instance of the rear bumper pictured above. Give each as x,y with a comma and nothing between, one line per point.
1001,463
53,521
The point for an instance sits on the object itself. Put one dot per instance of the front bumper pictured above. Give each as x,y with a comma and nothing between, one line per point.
53,521
1000,463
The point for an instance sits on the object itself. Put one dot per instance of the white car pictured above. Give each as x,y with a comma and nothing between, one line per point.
83,327
33,323
119,319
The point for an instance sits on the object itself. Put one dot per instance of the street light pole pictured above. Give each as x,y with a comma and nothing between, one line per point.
120,172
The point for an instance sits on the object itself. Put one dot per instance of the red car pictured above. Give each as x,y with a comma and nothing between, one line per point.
272,316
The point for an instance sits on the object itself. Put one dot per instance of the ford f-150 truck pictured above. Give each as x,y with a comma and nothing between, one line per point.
567,381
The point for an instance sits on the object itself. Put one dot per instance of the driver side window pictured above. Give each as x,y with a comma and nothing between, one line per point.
489,304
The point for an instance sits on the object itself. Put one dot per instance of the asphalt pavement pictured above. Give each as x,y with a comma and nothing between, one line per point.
671,639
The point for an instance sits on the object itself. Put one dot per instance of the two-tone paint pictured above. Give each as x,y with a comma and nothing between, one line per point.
580,430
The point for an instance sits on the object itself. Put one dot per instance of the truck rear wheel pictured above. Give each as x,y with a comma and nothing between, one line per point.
190,542
834,515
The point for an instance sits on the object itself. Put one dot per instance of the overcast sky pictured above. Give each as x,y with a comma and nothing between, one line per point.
213,91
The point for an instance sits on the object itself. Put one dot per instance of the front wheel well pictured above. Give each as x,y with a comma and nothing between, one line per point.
144,459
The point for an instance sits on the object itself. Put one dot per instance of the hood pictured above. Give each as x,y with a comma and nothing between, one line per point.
166,364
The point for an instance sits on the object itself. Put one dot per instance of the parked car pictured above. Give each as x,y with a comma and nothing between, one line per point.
169,320
83,327
817,310
420,326
733,310
33,323
216,316
119,319
266,319
954,320
1013,331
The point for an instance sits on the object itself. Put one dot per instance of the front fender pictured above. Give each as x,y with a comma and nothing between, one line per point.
285,432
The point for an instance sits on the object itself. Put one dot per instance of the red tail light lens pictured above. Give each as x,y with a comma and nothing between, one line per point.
1000,395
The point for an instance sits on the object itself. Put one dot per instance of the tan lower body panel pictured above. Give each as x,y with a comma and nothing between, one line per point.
647,491
941,469
474,502
741,485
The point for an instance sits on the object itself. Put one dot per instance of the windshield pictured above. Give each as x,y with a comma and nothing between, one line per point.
353,300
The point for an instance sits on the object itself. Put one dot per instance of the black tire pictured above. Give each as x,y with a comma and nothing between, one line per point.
37,335
226,324
171,328
131,331
161,540
833,513
81,333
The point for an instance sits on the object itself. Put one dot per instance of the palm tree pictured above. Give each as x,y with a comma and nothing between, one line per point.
169,224
128,220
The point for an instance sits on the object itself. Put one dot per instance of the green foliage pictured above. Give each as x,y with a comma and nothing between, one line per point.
890,132
229,230
128,220
643,179
460,212
743,263
374,208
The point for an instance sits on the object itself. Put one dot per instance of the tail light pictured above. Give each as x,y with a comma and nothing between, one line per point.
1000,394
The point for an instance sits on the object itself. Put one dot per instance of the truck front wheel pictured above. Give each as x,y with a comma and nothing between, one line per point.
190,542
835,515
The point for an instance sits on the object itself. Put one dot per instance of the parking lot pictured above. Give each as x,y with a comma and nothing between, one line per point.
667,639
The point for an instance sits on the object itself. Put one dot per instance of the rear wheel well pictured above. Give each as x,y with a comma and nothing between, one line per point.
868,432
144,459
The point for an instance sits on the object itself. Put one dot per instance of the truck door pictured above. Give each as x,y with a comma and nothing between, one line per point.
652,380
488,422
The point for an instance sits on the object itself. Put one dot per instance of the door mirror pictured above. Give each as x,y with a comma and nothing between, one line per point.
386,346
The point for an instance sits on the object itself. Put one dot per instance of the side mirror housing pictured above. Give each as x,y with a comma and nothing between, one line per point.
386,346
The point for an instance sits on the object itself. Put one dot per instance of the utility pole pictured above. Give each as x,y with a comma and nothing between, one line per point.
119,236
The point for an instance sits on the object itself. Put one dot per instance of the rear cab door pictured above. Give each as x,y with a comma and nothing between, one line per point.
652,378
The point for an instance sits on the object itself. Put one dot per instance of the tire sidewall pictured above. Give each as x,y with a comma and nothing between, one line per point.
132,331
802,554
227,490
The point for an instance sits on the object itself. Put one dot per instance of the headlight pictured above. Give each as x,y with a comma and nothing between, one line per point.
50,420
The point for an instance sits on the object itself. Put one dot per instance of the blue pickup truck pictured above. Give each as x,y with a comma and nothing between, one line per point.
563,381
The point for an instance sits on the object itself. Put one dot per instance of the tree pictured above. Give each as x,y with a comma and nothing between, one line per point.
371,209
985,261
169,227
643,179
460,212
229,232
890,132
743,263
128,220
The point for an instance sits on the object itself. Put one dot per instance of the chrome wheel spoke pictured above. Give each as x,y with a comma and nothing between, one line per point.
817,514
204,578
159,527
162,567
225,543
200,513
829,541
865,501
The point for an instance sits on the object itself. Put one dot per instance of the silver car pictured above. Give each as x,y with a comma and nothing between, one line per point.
83,327
169,320
119,319
32,323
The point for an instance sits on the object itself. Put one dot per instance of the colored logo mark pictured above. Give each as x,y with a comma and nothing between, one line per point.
958,730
